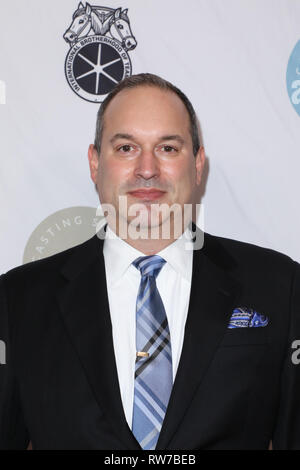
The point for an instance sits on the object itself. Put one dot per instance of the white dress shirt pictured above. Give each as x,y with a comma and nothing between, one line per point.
123,281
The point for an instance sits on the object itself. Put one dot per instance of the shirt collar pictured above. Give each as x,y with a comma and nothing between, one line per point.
119,255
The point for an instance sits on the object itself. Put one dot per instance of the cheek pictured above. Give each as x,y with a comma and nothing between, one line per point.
180,175
113,175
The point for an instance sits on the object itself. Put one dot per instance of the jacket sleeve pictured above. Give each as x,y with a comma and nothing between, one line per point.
13,431
287,430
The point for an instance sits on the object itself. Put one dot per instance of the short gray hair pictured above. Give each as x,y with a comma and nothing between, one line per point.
147,79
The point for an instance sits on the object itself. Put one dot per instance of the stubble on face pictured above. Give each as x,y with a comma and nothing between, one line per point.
146,144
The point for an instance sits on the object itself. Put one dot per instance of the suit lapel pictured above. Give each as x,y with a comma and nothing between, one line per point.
85,309
211,301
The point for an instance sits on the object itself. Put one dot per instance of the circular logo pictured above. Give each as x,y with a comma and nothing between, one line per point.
62,230
95,65
293,77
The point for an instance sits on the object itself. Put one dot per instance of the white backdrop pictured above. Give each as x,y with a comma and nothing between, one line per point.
229,56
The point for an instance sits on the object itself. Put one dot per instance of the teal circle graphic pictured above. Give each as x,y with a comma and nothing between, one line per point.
293,78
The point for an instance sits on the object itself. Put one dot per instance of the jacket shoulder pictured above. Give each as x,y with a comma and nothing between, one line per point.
233,253
46,267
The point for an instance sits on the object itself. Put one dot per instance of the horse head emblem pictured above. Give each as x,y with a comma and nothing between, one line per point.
99,39
120,29
104,21
81,24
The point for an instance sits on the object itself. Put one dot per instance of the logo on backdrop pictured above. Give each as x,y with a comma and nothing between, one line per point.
293,77
99,40
62,230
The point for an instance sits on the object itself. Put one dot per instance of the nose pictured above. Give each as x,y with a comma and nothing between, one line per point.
147,166
130,43
69,37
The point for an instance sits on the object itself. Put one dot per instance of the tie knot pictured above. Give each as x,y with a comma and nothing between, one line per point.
149,265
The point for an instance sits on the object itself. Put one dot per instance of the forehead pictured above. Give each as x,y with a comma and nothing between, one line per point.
147,107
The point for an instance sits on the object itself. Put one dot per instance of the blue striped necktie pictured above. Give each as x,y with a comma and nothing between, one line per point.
153,368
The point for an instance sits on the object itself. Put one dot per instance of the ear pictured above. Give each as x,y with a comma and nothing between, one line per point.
93,162
80,5
88,8
118,13
124,15
199,162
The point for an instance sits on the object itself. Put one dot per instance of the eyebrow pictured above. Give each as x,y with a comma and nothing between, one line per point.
119,135
173,137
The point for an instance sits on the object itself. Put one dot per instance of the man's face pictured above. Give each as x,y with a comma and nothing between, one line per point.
147,146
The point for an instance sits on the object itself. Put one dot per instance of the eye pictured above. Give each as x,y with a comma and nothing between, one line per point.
81,21
168,148
125,148
120,26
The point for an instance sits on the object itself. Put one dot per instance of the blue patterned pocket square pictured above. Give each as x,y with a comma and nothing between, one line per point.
244,317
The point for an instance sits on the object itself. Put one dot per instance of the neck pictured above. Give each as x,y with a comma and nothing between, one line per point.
150,247
147,244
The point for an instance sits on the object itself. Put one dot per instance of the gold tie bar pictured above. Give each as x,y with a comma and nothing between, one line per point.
142,354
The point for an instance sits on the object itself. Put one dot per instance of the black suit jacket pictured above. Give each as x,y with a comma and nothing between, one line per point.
234,388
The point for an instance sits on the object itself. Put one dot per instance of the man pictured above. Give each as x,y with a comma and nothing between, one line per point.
139,341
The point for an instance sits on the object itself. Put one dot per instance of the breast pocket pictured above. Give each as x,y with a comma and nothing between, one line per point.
245,336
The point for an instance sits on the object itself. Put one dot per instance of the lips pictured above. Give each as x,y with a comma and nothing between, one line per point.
149,194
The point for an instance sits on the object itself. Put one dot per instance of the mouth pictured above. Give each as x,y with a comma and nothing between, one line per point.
147,194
